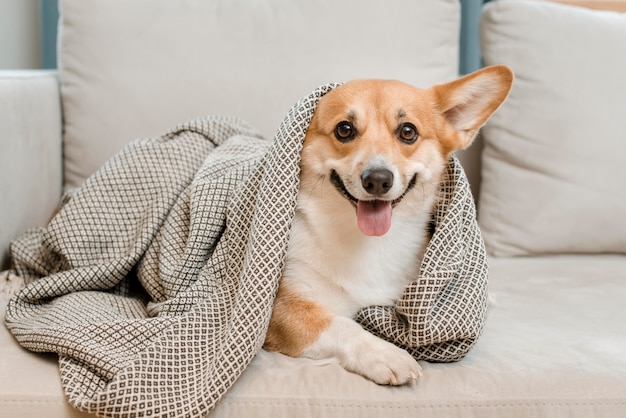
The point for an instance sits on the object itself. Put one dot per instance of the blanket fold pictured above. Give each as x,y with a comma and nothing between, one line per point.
155,281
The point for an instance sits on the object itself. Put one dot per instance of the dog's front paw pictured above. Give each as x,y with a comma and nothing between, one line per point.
363,353
384,363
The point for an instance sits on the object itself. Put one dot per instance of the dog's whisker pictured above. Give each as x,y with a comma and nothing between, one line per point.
319,182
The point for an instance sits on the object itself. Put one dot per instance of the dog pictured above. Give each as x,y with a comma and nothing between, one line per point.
370,168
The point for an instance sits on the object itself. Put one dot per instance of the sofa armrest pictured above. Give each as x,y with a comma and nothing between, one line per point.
30,152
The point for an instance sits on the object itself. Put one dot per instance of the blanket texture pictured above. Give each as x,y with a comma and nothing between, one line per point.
155,281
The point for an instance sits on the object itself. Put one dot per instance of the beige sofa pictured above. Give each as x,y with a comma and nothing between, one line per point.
552,201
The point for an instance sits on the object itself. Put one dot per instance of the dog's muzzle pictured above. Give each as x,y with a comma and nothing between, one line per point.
373,215
381,179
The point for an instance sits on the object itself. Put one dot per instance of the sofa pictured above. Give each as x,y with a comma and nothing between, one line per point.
547,175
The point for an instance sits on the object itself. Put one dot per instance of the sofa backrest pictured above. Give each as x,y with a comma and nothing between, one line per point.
135,68
553,163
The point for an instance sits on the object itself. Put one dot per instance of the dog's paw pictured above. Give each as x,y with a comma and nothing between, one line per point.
363,353
385,363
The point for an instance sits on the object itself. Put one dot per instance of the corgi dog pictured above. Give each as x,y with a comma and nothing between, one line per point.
371,164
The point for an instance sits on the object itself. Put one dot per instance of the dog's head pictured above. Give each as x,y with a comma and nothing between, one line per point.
381,143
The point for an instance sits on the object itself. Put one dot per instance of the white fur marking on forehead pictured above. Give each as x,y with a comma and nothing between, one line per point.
378,161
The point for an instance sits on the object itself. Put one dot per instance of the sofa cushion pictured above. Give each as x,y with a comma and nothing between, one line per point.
553,164
539,355
553,346
134,68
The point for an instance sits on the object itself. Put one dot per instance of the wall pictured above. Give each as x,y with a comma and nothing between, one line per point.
20,36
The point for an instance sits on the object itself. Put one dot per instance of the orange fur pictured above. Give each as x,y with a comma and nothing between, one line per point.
295,323
365,101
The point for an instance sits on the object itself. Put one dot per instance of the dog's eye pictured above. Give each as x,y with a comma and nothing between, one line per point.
407,133
344,131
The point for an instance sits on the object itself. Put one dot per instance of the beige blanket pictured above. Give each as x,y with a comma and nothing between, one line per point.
155,281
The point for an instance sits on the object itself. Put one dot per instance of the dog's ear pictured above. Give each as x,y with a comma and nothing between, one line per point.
468,102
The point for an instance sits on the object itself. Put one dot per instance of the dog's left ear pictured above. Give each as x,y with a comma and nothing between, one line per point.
468,102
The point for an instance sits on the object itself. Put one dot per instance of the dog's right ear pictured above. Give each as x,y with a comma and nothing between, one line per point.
467,103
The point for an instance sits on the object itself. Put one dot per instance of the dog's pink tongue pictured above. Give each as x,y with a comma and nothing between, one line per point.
373,217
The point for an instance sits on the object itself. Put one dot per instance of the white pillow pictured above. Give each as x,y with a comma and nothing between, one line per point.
554,162
135,68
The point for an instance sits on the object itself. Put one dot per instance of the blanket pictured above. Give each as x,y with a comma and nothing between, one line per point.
155,281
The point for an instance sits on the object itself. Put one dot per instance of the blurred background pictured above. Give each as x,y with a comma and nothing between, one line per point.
28,34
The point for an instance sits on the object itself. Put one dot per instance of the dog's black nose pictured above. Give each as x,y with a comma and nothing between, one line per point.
377,181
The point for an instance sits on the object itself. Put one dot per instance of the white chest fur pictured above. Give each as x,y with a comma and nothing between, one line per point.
330,261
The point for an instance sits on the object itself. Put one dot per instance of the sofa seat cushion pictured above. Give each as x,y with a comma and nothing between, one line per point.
552,346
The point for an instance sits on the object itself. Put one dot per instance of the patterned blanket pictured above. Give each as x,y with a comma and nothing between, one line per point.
155,281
